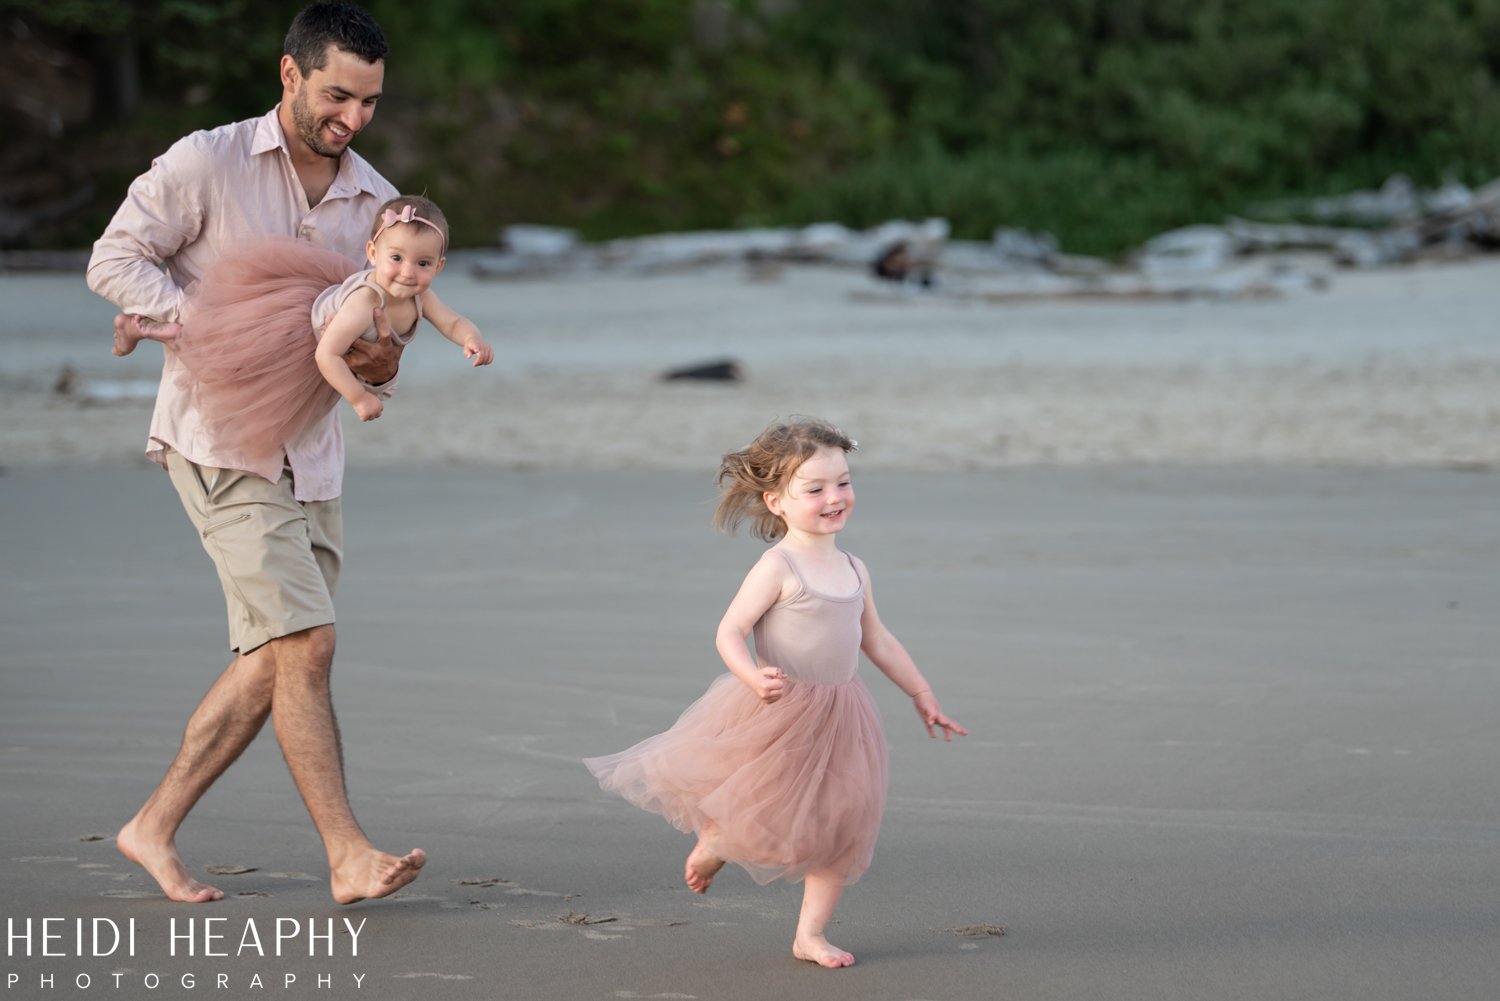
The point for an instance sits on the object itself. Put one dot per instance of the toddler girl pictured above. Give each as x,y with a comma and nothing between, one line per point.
264,334
781,766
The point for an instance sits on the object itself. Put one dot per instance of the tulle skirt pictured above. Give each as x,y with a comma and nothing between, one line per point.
783,790
247,346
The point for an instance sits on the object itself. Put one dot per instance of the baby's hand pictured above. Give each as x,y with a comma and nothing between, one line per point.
932,716
771,684
368,407
477,348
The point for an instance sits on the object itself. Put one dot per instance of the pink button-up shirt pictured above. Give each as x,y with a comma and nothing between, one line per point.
206,196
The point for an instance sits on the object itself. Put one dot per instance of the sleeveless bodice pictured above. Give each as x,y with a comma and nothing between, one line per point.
812,636
328,303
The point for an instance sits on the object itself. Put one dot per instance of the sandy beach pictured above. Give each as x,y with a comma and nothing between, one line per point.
1394,367
1212,584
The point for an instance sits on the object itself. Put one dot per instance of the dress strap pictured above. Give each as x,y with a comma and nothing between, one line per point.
371,283
791,565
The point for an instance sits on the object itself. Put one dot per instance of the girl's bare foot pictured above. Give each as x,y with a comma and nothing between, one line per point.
817,949
375,874
163,864
702,866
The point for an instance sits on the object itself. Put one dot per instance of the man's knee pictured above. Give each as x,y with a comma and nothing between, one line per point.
307,653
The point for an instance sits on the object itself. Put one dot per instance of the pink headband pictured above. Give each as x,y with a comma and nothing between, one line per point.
390,217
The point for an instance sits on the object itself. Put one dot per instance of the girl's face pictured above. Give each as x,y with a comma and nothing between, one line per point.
818,498
407,257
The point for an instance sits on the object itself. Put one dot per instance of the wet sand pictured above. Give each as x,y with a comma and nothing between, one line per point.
1233,737
1212,584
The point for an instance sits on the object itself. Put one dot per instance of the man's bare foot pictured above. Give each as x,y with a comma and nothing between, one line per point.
817,949
130,330
163,864
702,866
375,874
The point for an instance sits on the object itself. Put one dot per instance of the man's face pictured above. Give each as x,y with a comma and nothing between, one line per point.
331,105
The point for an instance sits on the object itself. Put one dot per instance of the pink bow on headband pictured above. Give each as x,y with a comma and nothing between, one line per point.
390,217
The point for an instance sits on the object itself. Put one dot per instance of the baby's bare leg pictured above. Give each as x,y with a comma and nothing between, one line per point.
819,898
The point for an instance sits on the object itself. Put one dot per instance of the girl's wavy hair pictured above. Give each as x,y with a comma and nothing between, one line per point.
767,464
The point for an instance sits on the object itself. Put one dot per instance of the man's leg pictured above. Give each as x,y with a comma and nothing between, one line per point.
222,726
302,713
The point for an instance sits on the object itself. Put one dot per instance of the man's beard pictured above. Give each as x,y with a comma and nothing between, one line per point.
309,130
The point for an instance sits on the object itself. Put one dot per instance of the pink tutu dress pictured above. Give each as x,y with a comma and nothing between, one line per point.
783,789
249,331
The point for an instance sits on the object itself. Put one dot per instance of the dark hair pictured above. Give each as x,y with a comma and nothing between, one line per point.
766,465
345,26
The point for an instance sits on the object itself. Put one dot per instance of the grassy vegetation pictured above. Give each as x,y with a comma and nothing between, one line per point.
1101,121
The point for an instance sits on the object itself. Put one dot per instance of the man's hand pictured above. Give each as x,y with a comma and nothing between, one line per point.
377,361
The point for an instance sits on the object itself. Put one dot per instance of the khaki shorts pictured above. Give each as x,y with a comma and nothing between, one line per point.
278,558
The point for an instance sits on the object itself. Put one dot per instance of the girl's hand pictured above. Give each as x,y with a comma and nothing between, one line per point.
478,349
368,407
932,716
770,684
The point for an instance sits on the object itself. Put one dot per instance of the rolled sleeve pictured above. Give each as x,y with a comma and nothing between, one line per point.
161,215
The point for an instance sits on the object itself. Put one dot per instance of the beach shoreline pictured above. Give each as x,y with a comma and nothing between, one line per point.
1391,368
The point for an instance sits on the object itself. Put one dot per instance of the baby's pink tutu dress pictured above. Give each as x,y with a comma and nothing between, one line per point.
783,789
249,331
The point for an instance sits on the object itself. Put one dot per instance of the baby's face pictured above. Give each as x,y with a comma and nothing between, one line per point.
407,257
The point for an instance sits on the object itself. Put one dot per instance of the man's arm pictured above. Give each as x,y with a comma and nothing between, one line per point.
160,215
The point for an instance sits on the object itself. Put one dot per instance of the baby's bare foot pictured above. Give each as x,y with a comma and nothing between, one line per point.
375,874
702,866
127,335
163,864
817,949
131,330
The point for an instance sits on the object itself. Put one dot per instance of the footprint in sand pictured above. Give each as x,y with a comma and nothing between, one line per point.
983,930
978,931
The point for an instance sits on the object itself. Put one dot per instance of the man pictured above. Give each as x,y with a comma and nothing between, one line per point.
277,546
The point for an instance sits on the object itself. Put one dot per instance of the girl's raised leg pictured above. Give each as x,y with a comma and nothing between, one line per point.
820,896
702,866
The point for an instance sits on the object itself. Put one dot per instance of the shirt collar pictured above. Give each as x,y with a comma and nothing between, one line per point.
354,176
